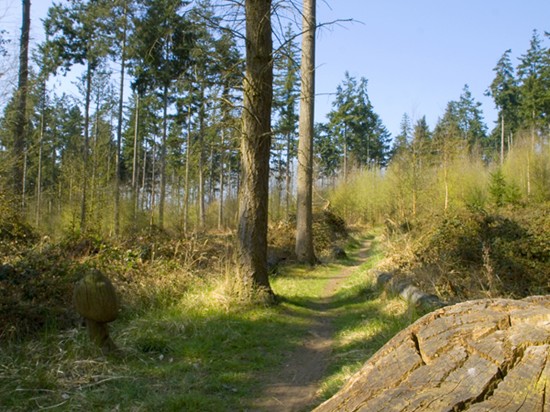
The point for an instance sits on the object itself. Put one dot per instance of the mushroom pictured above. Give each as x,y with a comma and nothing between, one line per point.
96,301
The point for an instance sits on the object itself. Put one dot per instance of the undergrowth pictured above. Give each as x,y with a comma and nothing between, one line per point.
201,351
477,253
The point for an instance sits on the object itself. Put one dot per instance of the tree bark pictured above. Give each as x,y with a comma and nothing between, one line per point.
135,172
21,117
83,201
202,115
118,170
304,210
501,139
221,177
40,149
187,171
162,196
255,148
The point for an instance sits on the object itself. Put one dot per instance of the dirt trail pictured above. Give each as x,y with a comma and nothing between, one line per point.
294,388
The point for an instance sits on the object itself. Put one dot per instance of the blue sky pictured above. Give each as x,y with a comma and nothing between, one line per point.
417,55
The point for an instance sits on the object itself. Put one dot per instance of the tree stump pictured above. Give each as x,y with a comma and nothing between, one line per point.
484,355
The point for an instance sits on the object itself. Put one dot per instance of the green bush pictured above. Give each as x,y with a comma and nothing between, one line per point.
475,252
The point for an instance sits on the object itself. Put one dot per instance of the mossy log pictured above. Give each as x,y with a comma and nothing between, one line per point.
491,354
96,301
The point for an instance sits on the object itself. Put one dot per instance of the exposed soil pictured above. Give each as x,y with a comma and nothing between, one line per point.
294,387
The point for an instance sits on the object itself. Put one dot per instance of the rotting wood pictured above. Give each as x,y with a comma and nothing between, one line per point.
491,354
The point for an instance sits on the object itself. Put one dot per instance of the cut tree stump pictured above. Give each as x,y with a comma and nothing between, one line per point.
484,355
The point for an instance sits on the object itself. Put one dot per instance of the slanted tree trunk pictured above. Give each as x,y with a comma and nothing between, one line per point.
255,148
304,212
21,116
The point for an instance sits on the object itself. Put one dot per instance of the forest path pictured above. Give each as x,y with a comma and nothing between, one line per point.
294,387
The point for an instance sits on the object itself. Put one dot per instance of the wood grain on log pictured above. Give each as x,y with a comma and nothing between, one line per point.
485,355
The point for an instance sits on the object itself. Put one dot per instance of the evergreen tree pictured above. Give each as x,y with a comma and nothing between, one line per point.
470,121
304,208
360,130
403,139
327,152
19,140
342,119
534,95
160,54
533,85
504,91
447,141
255,149
77,33
285,98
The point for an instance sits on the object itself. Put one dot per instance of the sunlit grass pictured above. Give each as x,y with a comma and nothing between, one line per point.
204,352
364,320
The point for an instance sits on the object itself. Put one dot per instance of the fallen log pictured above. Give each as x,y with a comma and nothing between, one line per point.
407,291
490,354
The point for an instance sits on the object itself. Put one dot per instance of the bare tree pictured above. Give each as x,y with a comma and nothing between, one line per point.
255,148
304,209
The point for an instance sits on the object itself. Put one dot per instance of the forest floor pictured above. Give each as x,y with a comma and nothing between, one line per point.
295,387
205,352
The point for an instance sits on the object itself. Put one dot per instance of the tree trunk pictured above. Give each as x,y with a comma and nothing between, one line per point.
118,169
221,177
40,149
304,207
135,163
83,202
162,196
502,139
21,117
153,187
288,175
187,171
202,115
255,147
144,178
345,155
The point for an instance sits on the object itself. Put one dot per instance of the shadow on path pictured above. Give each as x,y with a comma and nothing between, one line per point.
295,386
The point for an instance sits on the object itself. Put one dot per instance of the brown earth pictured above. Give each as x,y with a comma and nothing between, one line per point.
295,386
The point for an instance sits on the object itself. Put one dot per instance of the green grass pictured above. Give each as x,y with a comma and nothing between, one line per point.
202,354
364,319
